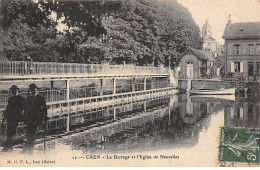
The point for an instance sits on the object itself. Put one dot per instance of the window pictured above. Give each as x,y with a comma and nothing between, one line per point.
237,67
189,70
239,112
237,49
258,68
250,69
258,49
251,50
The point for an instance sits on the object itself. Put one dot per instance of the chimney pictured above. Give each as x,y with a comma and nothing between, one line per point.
229,19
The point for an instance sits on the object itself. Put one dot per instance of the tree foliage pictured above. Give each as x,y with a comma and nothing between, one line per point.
141,32
156,31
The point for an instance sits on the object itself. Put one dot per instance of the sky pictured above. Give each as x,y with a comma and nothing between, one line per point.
217,12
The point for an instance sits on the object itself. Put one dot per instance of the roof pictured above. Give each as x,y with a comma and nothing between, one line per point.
200,54
206,25
208,38
242,30
211,40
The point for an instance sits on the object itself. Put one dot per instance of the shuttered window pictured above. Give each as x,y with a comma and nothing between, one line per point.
241,67
237,67
232,67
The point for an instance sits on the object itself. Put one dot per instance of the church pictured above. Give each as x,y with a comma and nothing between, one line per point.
209,43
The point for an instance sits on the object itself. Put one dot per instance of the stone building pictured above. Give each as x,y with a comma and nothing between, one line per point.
242,46
195,64
209,43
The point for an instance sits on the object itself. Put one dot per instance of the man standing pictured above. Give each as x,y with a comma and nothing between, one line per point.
13,115
34,115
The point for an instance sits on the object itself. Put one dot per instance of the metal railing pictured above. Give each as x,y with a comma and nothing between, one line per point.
75,93
51,68
102,114
85,110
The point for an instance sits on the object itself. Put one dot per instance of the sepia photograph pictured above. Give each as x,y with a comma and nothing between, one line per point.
129,83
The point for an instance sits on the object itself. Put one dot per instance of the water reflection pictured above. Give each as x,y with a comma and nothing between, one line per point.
175,123
244,112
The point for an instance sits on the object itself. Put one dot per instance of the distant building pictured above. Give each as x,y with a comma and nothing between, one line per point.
209,43
195,64
242,46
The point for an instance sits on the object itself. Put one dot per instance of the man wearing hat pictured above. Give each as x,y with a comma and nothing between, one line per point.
34,115
13,115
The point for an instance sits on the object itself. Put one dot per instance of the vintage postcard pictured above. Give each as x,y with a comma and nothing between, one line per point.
129,83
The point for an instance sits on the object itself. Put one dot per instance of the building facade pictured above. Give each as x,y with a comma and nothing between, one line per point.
242,46
195,64
209,43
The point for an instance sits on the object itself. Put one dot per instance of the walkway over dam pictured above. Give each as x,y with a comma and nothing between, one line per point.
17,70
75,91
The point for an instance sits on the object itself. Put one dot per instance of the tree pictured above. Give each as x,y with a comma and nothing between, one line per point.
27,30
141,32
156,31
26,11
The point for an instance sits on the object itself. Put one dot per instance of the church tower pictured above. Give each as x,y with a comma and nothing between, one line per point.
206,30
209,43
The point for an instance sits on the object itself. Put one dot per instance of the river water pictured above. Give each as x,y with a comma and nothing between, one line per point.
182,127
181,130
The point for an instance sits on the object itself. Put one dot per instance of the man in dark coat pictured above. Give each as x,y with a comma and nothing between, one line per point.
35,115
13,115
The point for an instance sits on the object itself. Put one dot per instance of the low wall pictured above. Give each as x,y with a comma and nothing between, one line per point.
205,84
212,84
251,86
197,84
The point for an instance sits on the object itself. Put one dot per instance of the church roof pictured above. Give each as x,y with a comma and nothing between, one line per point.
200,54
211,39
206,25
242,30
208,38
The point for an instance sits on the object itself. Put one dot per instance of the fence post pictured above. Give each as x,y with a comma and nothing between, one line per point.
101,86
144,83
51,98
68,101
114,85
114,112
